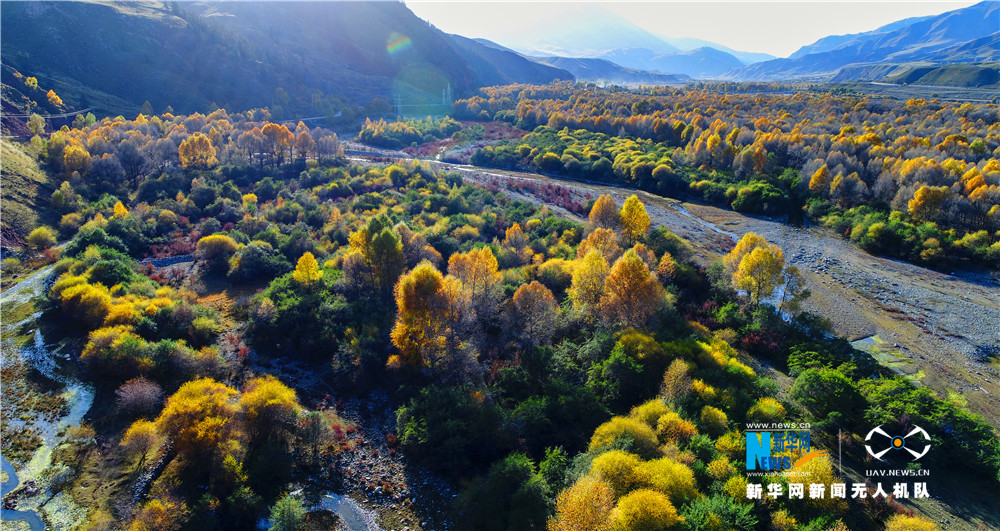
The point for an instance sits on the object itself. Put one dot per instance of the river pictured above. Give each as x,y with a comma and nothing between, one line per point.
25,339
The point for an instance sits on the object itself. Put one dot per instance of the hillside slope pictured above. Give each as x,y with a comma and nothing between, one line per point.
25,191
702,63
496,65
294,57
592,69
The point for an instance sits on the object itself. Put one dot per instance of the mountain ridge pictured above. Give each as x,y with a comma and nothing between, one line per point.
907,40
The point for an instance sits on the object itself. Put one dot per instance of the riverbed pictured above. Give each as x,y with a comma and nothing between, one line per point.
25,346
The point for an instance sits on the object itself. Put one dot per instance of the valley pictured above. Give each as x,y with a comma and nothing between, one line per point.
365,266
934,326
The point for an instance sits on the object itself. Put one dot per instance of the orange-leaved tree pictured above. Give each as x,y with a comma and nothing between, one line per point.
632,294
433,312
604,213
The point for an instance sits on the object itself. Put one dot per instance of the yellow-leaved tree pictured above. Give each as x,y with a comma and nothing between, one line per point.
927,201
197,151
270,407
819,183
140,438
199,416
759,272
75,159
588,283
54,98
307,270
605,241
756,265
634,219
587,504
645,509
477,271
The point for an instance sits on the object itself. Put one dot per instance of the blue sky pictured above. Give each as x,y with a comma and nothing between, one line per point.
778,28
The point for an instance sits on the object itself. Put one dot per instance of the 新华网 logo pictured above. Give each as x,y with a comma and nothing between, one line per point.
773,450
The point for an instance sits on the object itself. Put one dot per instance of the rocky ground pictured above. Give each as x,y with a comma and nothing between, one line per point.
375,472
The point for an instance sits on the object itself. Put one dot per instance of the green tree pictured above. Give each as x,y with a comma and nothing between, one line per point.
376,257
36,124
823,391
288,514
513,495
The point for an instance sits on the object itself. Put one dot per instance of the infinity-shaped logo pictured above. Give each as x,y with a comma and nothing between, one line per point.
897,442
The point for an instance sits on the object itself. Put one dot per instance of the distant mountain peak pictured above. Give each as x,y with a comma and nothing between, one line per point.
927,39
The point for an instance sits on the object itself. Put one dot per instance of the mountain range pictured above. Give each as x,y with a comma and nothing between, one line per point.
302,58
963,35
591,32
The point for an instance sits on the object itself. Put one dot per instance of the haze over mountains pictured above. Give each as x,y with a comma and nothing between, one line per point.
955,36
323,57
590,32
964,35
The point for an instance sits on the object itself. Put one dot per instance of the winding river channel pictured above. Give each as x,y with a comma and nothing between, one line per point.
24,342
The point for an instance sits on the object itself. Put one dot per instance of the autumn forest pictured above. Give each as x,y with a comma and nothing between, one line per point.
564,306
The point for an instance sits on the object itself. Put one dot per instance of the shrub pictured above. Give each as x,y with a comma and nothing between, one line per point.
766,410
216,249
644,510
721,469
714,420
650,412
669,477
823,390
618,469
641,435
42,238
719,512
288,514
139,396
902,522
671,427
587,504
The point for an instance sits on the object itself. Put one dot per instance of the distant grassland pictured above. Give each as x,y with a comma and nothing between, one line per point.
25,189
985,75
905,92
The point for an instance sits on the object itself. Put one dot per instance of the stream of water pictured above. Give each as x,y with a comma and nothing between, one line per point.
352,515
50,362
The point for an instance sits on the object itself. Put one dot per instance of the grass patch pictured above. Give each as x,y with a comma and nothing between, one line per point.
26,189
956,398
